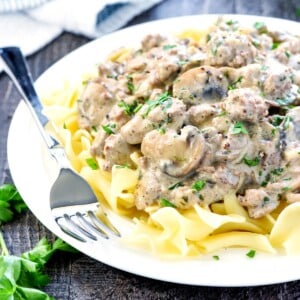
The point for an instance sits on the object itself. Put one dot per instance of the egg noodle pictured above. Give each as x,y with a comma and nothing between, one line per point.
167,230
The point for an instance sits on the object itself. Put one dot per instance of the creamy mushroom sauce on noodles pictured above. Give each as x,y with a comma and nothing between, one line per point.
206,117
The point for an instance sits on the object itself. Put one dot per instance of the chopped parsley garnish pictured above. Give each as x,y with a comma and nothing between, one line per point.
251,253
277,171
274,173
65,126
175,185
286,122
251,162
266,180
239,128
231,22
168,47
199,185
166,203
95,128
256,43
92,163
259,25
287,54
232,86
125,166
216,257
277,120
275,45
286,188
161,130
266,200
214,50
130,85
130,109
109,128
165,100
222,114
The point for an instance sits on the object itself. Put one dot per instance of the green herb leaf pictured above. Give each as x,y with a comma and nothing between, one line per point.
129,83
233,85
166,203
199,185
165,100
92,163
251,162
130,109
277,120
259,25
231,22
44,250
109,128
125,166
175,185
251,253
287,54
277,171
168,47
275,45
286,122
216,257
22,277
266,180
239,128
222,114
11,203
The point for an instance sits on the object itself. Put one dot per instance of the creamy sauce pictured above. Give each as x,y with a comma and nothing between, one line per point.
206,117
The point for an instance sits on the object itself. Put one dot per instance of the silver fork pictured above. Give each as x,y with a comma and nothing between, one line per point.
72,201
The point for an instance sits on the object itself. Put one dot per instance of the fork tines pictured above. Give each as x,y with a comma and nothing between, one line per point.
88,225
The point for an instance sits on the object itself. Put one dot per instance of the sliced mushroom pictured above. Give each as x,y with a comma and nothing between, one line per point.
178,154
206,84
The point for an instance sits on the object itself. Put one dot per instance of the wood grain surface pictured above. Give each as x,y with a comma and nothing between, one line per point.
78,276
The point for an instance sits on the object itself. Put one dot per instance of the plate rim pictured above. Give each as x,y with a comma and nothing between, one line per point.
20,114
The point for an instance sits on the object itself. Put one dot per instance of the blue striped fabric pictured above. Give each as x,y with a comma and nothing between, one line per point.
18,5
108,10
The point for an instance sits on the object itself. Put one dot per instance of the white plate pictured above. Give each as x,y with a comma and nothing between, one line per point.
33,171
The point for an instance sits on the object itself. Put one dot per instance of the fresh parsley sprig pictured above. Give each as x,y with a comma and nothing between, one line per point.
165,100
23,277
11,203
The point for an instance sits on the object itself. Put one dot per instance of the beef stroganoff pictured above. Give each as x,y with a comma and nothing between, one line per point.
195,137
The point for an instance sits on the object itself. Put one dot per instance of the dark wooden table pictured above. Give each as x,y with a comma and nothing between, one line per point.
78,276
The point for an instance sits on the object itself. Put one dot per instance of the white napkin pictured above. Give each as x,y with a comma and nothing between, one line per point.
43,20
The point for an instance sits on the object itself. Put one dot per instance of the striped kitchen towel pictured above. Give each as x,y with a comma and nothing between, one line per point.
31,24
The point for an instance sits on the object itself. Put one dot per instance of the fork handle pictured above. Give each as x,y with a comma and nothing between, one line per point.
15,66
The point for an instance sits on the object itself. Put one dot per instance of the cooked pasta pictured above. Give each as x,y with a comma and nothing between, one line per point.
194,137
